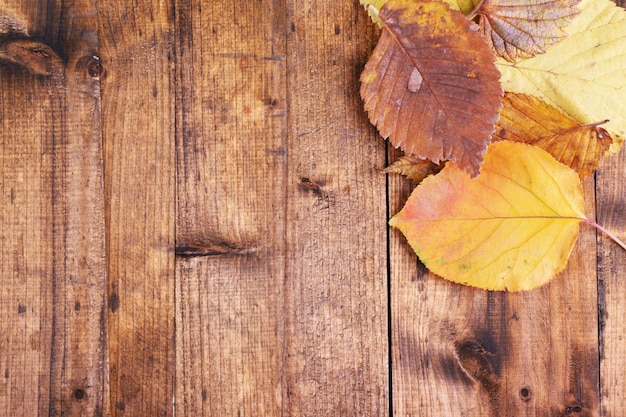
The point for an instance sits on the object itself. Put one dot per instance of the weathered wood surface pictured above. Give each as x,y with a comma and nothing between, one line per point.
193,222
53,350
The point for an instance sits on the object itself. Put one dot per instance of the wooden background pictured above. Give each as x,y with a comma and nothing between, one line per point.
193,222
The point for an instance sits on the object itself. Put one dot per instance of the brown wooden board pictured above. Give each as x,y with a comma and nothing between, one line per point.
53,266
27,264
138,59
230,223
611,197
458,350
336,277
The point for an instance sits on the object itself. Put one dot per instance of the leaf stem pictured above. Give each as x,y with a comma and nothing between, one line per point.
596,123
606,232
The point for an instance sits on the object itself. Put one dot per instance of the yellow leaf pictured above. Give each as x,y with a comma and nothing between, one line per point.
585,74
512,227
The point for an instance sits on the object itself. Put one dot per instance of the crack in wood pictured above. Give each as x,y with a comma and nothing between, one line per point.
214,249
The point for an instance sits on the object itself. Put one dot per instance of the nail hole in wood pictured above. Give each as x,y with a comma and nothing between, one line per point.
525,394
79,394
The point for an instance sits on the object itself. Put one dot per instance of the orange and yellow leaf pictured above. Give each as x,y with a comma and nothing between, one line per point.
511,228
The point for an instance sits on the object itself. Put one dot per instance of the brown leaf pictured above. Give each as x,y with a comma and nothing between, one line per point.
413,168
528,119
431,85
523,28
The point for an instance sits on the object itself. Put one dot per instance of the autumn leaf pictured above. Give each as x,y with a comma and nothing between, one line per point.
585,74
413,168
430,85
529,119
524,28
512,227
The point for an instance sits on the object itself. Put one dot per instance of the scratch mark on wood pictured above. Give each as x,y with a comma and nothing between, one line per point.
235,55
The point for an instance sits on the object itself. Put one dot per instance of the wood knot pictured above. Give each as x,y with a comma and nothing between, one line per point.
94,68
215,247
475,360
35,57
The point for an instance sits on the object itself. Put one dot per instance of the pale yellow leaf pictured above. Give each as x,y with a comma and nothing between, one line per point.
585,74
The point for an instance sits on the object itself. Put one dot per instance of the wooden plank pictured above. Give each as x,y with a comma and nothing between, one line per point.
336,282
60,268
79,286
464,351
231,208
611,197
434,323
138,117
26,252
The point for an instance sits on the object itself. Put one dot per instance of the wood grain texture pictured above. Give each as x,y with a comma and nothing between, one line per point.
27,255
138,58
336,279
78,362
471,352
193,223
231,163
24,17
611,197
63,268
